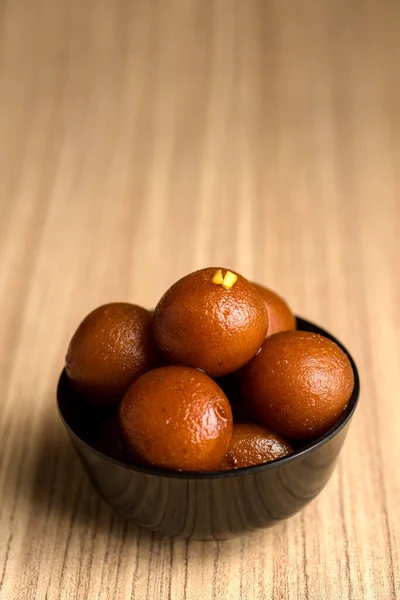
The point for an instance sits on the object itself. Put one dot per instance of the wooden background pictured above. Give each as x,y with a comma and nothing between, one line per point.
140,141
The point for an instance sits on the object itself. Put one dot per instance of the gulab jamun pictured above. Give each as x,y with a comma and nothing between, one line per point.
111,348
213,319
251,445
298,384
280,317
176,418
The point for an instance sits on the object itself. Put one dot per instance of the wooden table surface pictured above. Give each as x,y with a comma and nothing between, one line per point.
138,142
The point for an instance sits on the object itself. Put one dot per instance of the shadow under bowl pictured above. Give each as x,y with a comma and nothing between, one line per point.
215,505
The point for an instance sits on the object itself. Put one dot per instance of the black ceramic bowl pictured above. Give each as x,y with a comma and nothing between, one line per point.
213,505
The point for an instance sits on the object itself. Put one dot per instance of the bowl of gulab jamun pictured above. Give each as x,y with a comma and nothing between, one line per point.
215,414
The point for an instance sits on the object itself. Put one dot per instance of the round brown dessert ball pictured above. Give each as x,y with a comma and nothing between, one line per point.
299,384
280,317
111,348
212,319
176,418
253,445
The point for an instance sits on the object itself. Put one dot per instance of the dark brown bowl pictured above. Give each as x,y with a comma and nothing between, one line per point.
214,505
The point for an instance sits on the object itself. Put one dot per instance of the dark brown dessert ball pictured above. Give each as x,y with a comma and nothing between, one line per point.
253,445
212,319
176,418
299,384
280,317
111,348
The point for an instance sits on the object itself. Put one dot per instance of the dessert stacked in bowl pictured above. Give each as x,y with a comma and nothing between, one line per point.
217,378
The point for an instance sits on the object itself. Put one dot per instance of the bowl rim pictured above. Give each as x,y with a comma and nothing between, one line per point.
271,465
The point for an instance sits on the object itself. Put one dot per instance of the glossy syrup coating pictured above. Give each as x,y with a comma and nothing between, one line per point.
251,445
176,418
280,317
299,384
111,348
200,323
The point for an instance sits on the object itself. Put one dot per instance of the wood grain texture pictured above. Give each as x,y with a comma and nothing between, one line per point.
139,141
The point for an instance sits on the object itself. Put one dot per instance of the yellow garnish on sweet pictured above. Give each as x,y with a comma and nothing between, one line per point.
218,278
229,280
